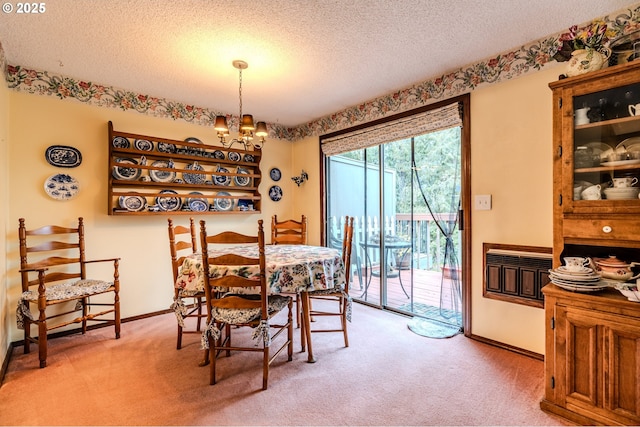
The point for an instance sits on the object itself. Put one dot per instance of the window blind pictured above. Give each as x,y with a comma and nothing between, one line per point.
433,120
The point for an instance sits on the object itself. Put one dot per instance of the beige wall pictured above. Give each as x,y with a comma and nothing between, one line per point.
146,286
511,160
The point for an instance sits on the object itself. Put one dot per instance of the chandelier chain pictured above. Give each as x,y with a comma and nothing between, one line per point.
240,94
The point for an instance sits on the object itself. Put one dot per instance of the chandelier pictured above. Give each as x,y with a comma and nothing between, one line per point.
246,128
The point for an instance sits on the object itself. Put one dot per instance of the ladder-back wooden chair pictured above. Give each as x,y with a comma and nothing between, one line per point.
338,295
289,232
183,241
229,304
53,269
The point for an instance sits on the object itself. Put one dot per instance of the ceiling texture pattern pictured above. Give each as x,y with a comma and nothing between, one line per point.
308,60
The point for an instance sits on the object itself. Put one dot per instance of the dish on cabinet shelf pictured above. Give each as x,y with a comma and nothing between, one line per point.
194,178
249,158
240,180
120,142
143,145
197,204
132,203
223,204
233,156
168,203
126,173
162,175
621,162
221,179
625,193
275,193
61,186
218,155
165,147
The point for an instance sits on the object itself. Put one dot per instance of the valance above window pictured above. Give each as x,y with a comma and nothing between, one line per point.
394,130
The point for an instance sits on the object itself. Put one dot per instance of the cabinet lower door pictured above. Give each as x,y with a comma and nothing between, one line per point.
622,370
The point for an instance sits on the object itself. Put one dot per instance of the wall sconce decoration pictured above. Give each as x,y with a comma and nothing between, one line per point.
300,179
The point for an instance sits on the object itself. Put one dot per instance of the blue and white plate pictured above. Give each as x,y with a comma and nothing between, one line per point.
126,173
170,202
120,142
165,147
249,158
275,174
242,180
233,156
223,204
162,175
63,156
61,186
221,179
143,145
275,193
197,204
194,178
132,203
218,155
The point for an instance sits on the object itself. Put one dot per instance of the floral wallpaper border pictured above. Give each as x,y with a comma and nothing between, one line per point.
526,59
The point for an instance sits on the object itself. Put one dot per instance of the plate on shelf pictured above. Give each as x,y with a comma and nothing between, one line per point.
249,158
242,180
193,139
161,175
223,204
143,145
194,178
120,142
233,156
197,204
275,193
621,162
275,174
581,288
61,186
132,203
63,156
126,173
219,155
168,203
221,179
165,147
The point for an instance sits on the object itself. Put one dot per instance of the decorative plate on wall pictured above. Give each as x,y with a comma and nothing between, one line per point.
132,203
162,175
223,204
143,145
61,186
126,173
275,174
120,142
168,203
275,193
165,147
63,156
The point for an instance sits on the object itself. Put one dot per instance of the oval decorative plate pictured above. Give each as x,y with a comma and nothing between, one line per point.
194,178
63,156
132,203
197,204
126,173
165,147
61,186
223,204
168,203
120,142
159,175
275,174
143,145
221,179
275,193
233,156
240,180
249,158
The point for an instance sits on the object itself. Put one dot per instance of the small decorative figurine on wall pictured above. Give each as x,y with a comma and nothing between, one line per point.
300,179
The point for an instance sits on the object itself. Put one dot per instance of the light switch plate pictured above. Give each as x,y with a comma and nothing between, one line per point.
483,202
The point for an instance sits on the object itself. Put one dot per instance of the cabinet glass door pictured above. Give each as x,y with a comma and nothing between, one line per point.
606,150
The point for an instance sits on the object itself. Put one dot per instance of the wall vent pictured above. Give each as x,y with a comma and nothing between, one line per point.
515,273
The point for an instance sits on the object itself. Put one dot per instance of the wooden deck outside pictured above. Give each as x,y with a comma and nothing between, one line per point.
427,289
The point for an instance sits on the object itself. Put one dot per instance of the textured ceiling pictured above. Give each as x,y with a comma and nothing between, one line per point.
307,59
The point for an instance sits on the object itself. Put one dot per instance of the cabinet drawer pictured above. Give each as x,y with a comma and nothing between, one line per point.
618,229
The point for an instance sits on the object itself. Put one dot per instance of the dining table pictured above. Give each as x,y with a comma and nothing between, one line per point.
290,269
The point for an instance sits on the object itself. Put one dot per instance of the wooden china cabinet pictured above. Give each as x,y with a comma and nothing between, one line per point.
592,346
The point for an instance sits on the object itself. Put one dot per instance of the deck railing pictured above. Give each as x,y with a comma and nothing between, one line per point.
428,241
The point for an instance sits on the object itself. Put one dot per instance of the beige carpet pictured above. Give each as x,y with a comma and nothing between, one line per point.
388,376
